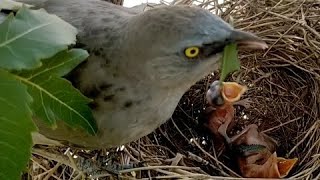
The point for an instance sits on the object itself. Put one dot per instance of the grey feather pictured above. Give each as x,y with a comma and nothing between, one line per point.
137,70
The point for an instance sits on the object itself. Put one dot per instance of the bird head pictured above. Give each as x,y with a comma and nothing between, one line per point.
219,93
178,45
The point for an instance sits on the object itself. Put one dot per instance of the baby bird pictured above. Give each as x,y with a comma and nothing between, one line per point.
222,96
256,155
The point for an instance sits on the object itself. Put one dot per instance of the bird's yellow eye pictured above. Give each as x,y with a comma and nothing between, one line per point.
192,52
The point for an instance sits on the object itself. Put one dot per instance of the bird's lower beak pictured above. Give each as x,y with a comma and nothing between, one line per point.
247,40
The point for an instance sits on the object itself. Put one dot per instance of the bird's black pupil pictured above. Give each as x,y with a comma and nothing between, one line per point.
193,51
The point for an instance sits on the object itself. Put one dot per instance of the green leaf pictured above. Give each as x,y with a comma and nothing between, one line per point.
230,62
15,126
58,65
11,5
54,97
32,35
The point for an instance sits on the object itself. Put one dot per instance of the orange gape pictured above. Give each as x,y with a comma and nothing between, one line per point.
232,92
285,165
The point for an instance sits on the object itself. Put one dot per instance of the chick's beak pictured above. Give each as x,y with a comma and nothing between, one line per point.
232,91
285,165
247,40
227,92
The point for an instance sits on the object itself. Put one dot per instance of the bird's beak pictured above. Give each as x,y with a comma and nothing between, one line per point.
229,92
285,165
232,91
247,40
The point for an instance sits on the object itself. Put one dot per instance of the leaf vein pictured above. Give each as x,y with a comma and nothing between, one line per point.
12,52
44,107
8,160
56,99
8,41
53,67
9,146
13,135
8,121
8,103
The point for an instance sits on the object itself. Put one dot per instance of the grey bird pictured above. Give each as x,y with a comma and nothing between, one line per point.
140,64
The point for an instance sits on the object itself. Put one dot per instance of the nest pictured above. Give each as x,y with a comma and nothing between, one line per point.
284,95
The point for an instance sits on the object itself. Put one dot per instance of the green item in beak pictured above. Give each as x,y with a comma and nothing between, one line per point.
230,61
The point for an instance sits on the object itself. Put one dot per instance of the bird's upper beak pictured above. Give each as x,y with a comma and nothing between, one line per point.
247,40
